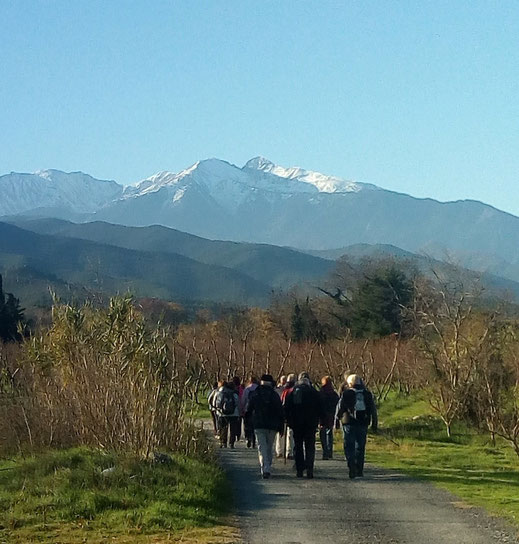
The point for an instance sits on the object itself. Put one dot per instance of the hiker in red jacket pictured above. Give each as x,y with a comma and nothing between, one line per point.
329,399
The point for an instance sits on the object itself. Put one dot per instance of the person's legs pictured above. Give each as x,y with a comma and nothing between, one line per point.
323,439
360,448
234,423
249,431
261,437
238,428
326,436
266,438
291,444
349,447
280,445
329,434
271,438
215,421
309,440
223,425
298,451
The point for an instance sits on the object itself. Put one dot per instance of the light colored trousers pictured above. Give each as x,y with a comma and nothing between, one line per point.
280,443
265,439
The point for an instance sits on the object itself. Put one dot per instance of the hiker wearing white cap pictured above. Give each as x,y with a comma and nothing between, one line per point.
356,411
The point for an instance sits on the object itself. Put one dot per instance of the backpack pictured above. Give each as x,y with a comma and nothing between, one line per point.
359,411
298,394
227,403
264,406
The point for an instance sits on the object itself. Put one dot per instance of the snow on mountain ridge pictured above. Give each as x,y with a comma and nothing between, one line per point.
324,183
215,180
75,191
230,185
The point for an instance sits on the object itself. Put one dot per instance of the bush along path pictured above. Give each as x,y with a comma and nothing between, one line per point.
383,507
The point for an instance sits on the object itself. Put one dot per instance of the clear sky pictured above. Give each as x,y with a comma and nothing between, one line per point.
415,96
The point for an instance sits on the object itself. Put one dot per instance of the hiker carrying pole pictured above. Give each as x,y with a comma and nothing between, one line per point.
285,436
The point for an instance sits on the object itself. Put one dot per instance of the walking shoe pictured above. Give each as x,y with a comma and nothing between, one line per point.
309,474
248,443
266,475
299,474
232,446
352,471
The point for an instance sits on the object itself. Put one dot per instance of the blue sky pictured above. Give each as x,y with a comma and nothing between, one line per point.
415,96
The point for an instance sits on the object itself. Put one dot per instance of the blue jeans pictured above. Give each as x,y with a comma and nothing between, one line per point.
326,436
355,445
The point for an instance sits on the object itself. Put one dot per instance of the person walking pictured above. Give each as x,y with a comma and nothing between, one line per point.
329,400
280,443
356,411
238,387
288,443
228,410
211,400
303,410
248,428
266,412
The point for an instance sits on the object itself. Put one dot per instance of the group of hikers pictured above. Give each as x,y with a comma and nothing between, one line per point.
285,417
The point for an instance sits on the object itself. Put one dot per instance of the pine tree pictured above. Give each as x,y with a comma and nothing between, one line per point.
380,301
11,315
305,325
297,325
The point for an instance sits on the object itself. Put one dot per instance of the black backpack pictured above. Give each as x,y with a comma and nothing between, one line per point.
227,403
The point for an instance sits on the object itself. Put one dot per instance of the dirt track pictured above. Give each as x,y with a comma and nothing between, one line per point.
382,507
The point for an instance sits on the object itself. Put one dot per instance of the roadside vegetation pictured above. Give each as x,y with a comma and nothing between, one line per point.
96,439
478,470
88,495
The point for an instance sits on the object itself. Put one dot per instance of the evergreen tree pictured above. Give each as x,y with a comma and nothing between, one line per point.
11,315
305,325
380,302
297,325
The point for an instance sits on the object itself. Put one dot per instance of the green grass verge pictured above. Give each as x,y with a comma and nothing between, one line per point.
199,410
414,441
63,496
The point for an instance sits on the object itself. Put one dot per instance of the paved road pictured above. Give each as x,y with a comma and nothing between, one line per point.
382,507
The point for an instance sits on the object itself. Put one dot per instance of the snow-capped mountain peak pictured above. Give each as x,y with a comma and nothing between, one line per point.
323,183
65,192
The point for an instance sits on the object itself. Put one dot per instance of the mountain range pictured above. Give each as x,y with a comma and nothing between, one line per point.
79,261
264,203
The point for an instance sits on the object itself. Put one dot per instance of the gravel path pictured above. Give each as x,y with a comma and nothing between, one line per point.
382,507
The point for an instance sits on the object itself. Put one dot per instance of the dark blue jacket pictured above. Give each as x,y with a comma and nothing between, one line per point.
266,409
303,407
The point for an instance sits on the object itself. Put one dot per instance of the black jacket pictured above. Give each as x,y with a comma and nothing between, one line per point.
346,408
266,409
329,399
303,407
